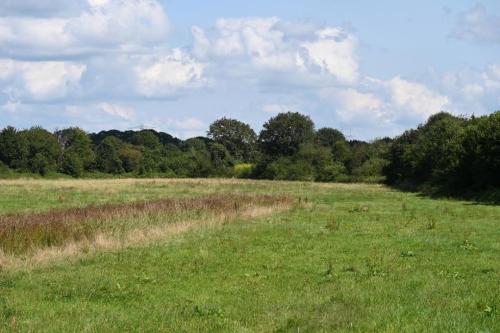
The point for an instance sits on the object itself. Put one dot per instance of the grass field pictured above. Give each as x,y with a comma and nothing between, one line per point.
244,256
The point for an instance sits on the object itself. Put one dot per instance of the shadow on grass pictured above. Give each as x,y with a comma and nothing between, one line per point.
488,197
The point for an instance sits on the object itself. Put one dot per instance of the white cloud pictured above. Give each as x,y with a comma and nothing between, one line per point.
351,105
477,25
351,99
333,51
415,98
41,80
384,102
98,3
270,44
37,8
189,124
165,74
103,25
473,91
118,111
278,108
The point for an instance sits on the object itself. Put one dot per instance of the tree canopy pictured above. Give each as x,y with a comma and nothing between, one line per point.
446,153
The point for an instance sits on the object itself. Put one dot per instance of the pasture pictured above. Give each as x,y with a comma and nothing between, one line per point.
243,256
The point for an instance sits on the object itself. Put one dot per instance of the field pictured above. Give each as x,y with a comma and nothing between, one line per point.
243,256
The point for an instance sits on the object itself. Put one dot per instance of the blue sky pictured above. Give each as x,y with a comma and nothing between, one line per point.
370,68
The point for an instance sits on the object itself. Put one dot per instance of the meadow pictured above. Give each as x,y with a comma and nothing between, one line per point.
243,256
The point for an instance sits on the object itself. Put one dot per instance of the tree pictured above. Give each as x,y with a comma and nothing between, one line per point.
327,137
431,154
480,165
108,155
146,138
78,153
44,151
238,138
221,159
359,154
282,135
131,158
13,148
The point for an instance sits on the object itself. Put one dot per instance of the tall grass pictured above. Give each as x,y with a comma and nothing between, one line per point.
22,233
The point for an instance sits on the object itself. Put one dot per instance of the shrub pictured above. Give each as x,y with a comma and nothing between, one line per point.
287,169
243,170
332,172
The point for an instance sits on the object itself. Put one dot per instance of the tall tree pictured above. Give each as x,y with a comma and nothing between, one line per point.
44,151
108,155
238,138
78,152
327,136
282,135
13,148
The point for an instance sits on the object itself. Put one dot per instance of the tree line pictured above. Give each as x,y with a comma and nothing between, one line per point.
447,151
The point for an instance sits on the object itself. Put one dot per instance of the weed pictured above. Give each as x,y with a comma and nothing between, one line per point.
431,223
333,225
407,254
468,246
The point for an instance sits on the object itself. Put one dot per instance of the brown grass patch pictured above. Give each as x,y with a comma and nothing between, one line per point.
63,232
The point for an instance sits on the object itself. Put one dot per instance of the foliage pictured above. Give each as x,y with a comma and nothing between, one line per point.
243,170
446,153
78,153
237,137
13,148
282,135
328,137
44,150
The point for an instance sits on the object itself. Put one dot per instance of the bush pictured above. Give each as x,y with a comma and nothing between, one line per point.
371,168
243,170
287,169
331,173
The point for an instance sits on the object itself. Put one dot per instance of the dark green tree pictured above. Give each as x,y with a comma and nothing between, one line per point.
78,153
480,165
282,135
108,155
238,138
132,159
221,159
147,139
13,148
44,151
328,137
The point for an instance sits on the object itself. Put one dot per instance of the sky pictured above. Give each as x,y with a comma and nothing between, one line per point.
369,68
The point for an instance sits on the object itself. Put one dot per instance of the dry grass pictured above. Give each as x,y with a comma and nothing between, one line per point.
126,182
35,238
107,183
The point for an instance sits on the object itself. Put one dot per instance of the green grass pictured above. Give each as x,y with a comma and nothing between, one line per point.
355,258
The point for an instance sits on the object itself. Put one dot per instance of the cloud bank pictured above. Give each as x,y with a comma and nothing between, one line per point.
109,63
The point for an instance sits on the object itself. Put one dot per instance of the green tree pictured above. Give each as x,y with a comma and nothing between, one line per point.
328,137
221,159
147,139
131,158
78,152
108,155
282,135
238,138
44,151
13,148
480,165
